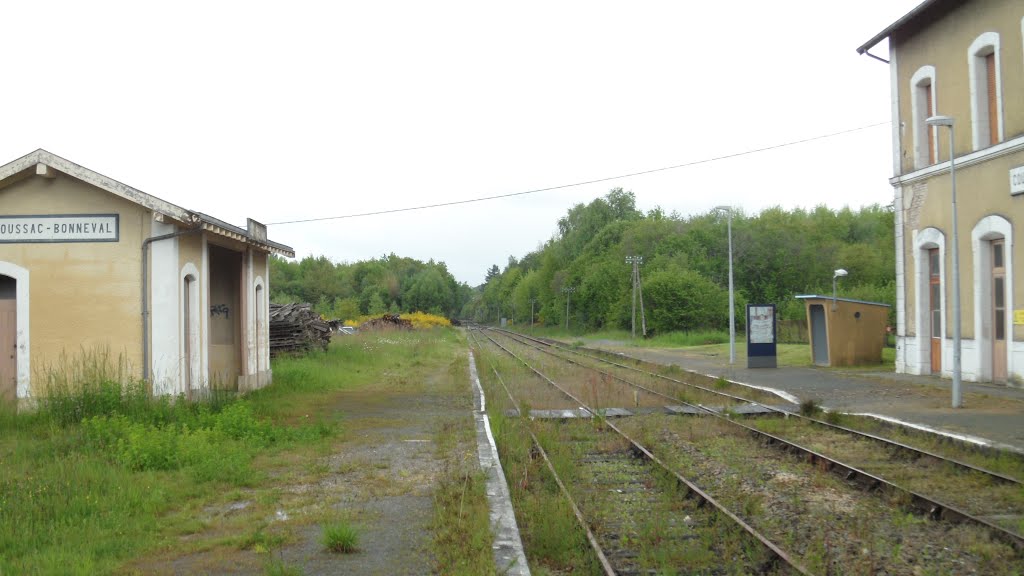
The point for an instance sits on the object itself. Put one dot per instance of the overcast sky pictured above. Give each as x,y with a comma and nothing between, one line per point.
286,111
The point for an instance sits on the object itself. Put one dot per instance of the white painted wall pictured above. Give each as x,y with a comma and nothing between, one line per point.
204,306
164,298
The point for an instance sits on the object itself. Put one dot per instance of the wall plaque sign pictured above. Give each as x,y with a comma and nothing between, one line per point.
1017,181
60,228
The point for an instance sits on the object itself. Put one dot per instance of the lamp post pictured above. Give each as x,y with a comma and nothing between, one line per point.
948,122
568,293
838,273
732,306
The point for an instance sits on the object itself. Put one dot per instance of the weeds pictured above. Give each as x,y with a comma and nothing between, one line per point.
341,536
810,407
278,567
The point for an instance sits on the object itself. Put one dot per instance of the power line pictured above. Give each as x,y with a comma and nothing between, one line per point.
538,190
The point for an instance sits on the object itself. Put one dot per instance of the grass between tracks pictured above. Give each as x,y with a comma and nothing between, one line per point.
553,540
649,523
102,475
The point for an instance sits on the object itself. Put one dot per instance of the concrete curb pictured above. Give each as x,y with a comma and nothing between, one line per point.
508,546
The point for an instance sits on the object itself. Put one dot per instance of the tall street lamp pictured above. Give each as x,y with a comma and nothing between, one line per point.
838,273
732,307
948,121
568,293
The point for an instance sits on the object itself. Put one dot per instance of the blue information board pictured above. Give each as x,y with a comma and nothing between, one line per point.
761,331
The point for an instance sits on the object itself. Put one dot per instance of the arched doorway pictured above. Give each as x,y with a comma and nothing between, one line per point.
8,340
992,247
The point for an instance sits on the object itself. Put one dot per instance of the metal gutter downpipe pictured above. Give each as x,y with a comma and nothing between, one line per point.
145,290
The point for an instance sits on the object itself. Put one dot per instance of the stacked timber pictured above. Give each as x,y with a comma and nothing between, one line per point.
387,322
296,328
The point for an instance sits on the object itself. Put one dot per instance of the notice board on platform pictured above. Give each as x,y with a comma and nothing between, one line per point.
761,331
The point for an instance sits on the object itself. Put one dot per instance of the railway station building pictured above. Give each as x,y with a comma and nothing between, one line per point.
91,265
963,61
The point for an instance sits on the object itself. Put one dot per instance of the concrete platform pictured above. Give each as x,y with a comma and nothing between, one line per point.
509,555
992,415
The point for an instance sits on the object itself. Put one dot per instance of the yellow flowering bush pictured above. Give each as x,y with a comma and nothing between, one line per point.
418,319
424,320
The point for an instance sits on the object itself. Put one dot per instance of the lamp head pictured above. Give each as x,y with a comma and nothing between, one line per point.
840,272
939,121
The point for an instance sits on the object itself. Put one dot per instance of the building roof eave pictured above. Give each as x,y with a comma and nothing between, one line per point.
222,228
10,172
819,296
910,19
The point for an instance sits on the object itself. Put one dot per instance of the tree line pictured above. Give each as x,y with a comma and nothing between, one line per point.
777,254
346,291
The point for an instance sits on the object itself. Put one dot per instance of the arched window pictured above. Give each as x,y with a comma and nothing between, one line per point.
983,64
923,105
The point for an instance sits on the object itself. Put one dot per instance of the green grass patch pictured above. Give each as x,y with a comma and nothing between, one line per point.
685,339
101,471
341,536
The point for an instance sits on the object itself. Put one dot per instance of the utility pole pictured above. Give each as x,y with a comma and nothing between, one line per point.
532,302
568,294
636,261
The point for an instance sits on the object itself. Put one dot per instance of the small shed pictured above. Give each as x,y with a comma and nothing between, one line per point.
845,332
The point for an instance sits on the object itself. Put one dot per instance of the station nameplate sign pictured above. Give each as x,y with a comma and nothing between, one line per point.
59,228
1017,180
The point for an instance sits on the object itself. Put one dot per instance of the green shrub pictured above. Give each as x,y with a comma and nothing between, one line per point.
212,446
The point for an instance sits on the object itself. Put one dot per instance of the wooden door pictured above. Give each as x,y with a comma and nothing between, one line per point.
999,327
8,351
935,310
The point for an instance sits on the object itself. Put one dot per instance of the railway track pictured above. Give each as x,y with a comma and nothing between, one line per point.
889,443
975,494
922,505
624,497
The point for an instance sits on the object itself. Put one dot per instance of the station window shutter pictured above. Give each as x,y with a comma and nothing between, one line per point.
993,109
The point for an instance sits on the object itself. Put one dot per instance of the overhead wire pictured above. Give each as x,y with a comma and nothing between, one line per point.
583,183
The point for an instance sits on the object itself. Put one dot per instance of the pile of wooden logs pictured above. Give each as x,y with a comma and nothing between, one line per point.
296,328
385,322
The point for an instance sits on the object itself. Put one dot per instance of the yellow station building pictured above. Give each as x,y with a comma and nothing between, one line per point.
90,264
960,63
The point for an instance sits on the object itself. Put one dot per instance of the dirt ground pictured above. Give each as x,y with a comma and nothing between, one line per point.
379,475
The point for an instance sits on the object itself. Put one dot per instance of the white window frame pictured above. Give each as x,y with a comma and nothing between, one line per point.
987,43
923,79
